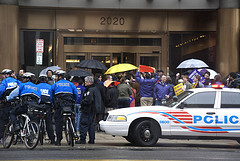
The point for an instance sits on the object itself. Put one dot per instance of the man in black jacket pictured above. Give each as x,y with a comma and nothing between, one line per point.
91,100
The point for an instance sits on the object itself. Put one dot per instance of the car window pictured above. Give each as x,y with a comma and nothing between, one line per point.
201,100
230,100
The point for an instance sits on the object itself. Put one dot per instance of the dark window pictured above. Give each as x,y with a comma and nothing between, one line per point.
230,100
112,41
201,100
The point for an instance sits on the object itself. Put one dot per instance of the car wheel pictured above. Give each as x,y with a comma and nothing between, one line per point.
146,133
130,139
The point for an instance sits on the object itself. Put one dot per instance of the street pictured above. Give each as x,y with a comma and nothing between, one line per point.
112,148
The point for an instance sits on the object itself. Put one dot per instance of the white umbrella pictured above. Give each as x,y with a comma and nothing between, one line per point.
192,63
212,72
52,68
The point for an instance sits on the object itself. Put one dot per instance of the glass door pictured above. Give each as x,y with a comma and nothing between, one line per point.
150,60
73,60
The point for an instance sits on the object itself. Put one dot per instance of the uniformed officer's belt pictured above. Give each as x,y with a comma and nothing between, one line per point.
29,99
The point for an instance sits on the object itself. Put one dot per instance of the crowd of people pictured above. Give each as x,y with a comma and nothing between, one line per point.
90,97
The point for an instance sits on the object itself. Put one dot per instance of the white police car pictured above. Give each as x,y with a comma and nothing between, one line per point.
203,113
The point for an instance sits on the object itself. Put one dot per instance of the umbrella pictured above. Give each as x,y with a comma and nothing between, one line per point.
52,68
212,72
92,64
80,73
192,63
120,68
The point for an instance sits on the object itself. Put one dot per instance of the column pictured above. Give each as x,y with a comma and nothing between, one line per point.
227,57
9,40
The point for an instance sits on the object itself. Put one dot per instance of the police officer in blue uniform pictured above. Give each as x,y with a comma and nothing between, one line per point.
29,94
64,95
6,87
47,101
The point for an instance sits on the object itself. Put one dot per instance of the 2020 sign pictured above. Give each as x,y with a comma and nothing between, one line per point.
112,21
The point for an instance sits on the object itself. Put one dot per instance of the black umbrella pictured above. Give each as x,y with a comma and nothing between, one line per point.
92,64
80,73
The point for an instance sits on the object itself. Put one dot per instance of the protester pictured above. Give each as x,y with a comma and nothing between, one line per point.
50,79
111,96
124,92
99,78
20,74
197,82
146,88
162,91
232,80
186,84
207,78
79,84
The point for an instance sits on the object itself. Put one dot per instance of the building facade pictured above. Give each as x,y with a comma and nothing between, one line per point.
159,33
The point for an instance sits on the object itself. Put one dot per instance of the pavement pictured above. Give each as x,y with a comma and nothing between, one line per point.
104,141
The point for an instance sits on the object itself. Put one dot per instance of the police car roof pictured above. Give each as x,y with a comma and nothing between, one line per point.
196,90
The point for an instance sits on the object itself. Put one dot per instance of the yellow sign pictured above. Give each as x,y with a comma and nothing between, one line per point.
178,89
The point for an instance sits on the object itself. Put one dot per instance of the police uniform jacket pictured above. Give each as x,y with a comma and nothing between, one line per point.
64,87
7,85
91,100
45,92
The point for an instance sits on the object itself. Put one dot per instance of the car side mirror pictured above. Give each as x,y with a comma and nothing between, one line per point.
175,98
182,105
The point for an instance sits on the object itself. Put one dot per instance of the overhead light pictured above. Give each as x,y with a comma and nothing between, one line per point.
71,30
79,30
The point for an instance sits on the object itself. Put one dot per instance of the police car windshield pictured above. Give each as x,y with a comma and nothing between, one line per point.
171,102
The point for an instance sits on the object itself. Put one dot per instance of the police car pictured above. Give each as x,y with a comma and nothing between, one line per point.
203,113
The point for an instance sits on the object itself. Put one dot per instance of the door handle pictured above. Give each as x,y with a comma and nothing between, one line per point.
211,113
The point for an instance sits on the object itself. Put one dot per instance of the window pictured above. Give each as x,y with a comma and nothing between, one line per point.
230,100
201,100
112,41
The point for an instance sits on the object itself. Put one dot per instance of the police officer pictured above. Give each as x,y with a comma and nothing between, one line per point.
64,95
29,94
46,100
6,87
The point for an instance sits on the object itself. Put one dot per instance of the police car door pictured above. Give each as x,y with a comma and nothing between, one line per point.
228,115
197,118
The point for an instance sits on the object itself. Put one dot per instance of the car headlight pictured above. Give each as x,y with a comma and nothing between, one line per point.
117,118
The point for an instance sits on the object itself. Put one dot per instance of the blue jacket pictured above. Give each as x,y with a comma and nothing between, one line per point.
8,84
65,87
80,90
162,89
25,89
146,85
45,92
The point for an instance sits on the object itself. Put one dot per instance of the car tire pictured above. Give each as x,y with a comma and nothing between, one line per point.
130,139
146,133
